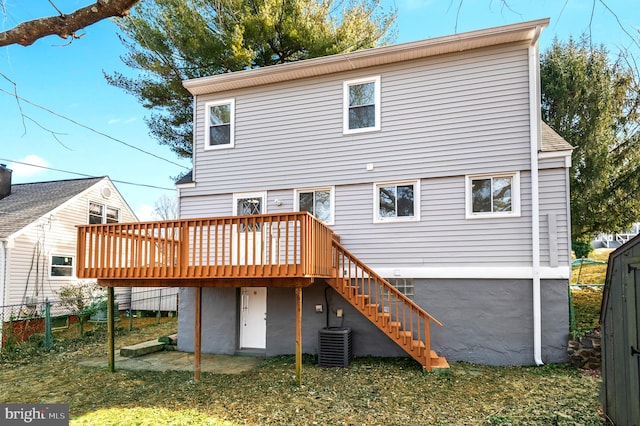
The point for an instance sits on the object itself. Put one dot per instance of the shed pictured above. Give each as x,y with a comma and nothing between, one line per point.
620,319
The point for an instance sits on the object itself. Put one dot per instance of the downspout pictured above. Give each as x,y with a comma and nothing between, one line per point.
534,126
3,272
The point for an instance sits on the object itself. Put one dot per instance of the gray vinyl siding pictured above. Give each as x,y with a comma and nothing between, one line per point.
445,116
442,119
554,193
56,234
442,238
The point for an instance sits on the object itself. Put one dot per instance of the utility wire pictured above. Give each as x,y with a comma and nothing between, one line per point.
85,175
91,129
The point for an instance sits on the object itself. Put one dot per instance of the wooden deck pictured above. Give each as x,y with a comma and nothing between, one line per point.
273,250
278,250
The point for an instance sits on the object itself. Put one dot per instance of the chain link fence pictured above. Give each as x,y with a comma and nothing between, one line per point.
21,321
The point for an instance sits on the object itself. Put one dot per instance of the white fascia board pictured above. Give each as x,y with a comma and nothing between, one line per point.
474,272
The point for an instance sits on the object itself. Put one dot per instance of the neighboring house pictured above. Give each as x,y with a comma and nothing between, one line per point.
432,172
38,233
616,240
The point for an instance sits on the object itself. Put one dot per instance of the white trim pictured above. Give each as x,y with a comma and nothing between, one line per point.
396,219
554,154
475,272
232,124
515,196
345,105
332,199
238,195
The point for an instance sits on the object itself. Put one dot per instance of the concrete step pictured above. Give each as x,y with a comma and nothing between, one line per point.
142,349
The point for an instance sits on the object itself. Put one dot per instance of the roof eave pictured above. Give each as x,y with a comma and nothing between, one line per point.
514,33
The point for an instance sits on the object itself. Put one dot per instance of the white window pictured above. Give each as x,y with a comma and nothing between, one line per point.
220,124
247,204
61,266
100,213
317,201
361,105
496,195
397,201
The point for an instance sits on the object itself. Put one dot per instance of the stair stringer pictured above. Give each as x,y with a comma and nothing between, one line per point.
406,323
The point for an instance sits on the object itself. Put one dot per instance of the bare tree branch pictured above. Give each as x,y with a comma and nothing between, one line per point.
65,26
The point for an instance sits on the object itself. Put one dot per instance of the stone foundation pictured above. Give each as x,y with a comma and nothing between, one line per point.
585,352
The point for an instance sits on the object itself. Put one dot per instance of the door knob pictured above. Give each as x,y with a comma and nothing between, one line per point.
634,351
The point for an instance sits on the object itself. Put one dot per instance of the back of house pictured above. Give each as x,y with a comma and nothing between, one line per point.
429,161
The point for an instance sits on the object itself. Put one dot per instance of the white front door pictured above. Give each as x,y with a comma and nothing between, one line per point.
253,318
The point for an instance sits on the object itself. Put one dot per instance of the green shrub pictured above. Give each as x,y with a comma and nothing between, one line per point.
581,248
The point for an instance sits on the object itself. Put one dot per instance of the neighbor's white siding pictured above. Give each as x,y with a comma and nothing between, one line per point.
55,234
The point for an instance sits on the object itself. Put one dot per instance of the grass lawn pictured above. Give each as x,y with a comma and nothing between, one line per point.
372,391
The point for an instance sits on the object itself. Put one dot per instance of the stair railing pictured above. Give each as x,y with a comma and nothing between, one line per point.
385,305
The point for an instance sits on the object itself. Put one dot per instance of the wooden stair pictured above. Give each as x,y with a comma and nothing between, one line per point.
406,323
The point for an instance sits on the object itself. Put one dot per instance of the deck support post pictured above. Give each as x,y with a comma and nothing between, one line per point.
299,335
111,329
197,341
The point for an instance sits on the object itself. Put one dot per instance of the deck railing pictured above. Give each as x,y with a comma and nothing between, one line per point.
256,246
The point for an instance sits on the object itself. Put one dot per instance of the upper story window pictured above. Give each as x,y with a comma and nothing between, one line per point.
319,202
101,213
219,117
61,266
362,105
397,201
495,195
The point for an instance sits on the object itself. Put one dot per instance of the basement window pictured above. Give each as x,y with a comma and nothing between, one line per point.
61,266
403,285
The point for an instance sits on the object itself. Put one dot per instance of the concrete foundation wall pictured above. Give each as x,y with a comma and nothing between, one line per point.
485,321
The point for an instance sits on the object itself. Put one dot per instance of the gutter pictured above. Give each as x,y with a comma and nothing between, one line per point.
534,126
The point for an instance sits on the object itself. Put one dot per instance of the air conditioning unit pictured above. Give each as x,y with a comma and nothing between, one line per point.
334,347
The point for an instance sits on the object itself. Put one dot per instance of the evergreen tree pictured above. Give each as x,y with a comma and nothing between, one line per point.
593,103
169,41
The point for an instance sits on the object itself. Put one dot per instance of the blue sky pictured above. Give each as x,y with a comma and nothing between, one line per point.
68,79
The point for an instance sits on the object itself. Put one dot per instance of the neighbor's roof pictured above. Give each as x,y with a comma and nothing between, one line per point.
551,141
30,201
521,32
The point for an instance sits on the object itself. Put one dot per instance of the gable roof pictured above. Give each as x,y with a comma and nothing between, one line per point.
551,141
514,33
30,201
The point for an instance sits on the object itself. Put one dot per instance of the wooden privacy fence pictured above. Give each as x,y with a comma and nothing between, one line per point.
271,245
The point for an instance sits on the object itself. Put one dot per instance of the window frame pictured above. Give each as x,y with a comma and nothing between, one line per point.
330,189
395,219
515,195
62,277
104,208
345,105
232,124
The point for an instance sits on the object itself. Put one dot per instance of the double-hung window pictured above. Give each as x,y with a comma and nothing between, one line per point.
101,214
496,195
362,105
61,266
317,201
219,119
397,201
